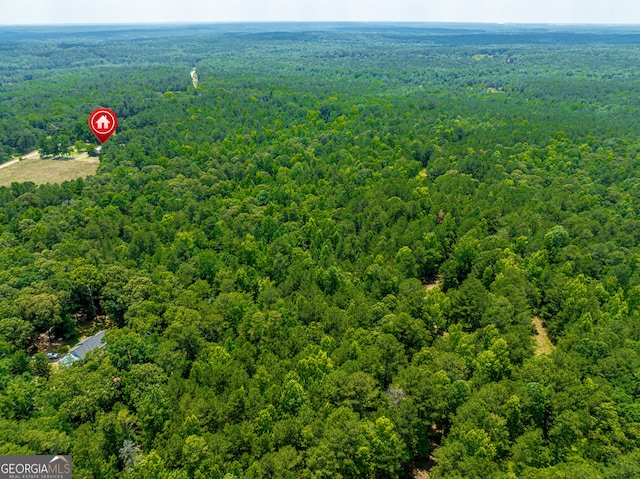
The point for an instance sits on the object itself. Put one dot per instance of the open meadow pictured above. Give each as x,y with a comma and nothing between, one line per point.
41,171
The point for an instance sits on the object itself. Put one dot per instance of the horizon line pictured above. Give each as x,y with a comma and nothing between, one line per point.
325,22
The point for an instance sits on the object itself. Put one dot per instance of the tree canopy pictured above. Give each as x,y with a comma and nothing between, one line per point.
324,260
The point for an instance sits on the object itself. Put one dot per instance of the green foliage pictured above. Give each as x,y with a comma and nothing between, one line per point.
324,261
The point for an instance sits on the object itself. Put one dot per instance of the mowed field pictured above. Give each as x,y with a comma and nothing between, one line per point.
32,168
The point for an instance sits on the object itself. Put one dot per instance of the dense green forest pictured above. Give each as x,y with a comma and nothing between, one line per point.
263,251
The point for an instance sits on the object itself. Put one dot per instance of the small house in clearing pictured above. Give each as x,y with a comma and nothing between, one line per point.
80,350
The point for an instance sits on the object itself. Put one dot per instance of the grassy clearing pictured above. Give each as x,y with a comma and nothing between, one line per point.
41,171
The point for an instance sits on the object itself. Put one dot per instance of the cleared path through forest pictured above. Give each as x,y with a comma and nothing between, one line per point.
545,346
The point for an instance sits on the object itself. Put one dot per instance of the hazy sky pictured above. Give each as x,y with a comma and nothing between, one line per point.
143,11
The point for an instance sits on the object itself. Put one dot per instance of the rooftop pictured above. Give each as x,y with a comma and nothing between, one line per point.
80,350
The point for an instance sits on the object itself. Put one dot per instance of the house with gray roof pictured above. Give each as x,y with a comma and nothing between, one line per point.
80,350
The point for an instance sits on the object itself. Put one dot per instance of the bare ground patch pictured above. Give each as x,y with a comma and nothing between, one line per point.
431,283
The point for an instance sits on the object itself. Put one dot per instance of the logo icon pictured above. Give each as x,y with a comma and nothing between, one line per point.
35,467
103,123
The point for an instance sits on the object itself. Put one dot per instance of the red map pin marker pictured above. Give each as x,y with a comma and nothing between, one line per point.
103,123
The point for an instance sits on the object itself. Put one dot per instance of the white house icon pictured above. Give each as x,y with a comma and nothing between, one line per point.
103,123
